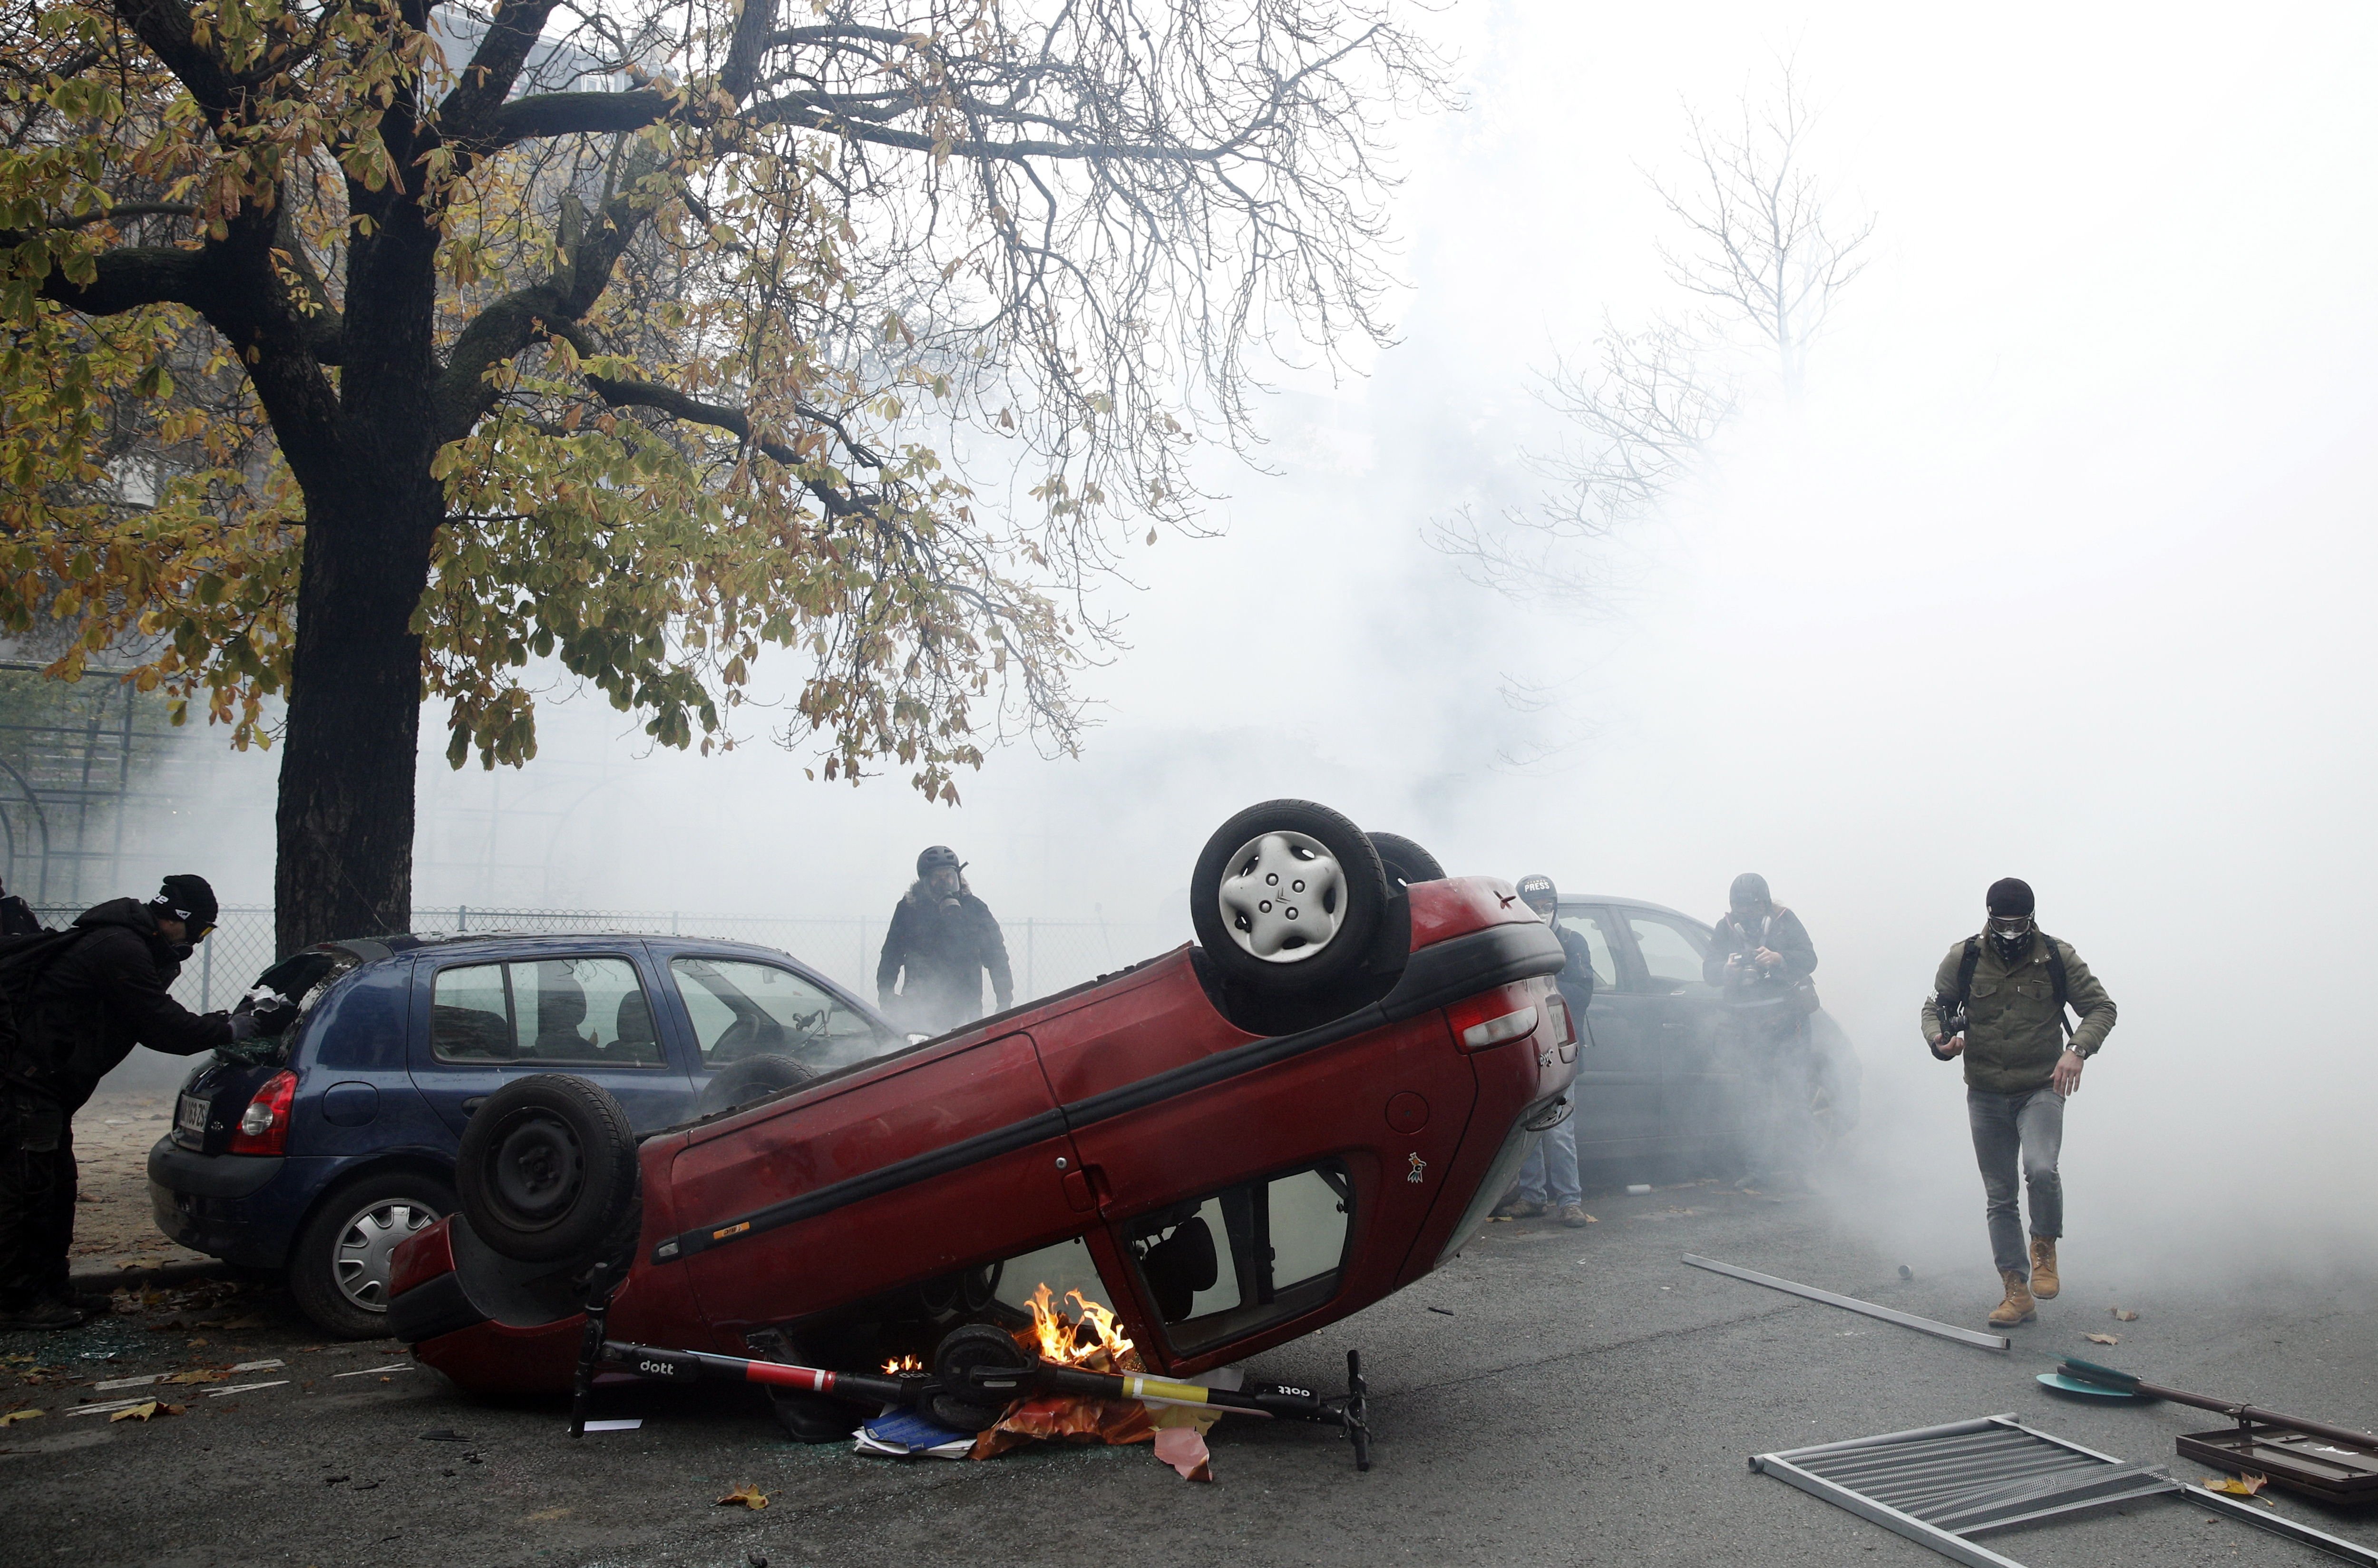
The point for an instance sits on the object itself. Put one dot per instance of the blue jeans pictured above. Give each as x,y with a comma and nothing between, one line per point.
1552,1164
2027,1128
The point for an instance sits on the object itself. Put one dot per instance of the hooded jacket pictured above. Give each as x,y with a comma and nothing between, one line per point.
943,946
96,996
2014,1026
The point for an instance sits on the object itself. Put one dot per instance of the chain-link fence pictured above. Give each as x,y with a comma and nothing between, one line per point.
1047,955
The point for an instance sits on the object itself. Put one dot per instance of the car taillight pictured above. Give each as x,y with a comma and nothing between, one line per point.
264,1125
1491,1018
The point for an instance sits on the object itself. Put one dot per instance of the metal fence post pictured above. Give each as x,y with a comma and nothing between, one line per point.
461,917
206,978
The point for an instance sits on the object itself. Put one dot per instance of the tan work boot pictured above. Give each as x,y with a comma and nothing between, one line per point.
2044,1281
2017,1307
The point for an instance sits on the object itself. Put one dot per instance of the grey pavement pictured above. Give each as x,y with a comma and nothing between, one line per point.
1551,1396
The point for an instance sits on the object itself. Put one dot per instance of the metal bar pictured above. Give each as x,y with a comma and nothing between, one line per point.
1946,1544
1949,1428
2162,1486
2280,1525
1979,1340
1998,1507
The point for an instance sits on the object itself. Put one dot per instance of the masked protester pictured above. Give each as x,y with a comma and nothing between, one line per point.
1998,1001
1761,961
76,1003
1549,1182
942,940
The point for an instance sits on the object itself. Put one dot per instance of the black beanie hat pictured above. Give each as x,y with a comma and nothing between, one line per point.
2009,897
187,899
1750,891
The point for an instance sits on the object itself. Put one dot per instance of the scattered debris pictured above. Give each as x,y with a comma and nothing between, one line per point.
369,1372
445,1434
620,1424
745,1496
2237,1485
1637,1189
1184,1449
1905,1320
1906,1272
146,1409
2124,1315
1445,1310
2337,1464
2103,1338
245,1388
13,1417
903,1434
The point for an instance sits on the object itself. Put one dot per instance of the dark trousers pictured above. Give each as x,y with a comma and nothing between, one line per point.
1780,1064
37,1200
2019,1133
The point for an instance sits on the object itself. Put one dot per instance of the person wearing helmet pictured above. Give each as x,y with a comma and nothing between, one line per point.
1549,1182
72,1004
942,939
1762,961
1998,1000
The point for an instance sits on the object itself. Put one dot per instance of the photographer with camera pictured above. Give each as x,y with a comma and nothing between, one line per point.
73,1003
1762,961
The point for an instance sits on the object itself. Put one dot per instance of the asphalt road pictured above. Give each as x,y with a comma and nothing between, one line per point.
1552,1397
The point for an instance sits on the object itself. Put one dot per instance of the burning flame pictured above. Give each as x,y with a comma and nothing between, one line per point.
903,1364
1058,1337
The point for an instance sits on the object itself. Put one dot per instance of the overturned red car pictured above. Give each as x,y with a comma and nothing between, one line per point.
1233,1144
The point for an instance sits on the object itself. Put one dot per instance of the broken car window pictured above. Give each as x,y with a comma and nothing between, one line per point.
1593,925
577,1012
1223,1266
743,1009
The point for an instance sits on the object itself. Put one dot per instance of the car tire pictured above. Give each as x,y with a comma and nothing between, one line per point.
339,1268
1301,852
749,1081
1404,861
547,1169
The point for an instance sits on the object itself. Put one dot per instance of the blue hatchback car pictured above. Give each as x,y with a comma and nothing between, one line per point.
318,1165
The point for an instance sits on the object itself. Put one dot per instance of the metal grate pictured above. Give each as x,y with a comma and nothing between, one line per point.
1941,1486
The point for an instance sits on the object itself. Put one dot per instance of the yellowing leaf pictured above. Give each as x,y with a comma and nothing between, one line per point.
746,1496
2124,1315
2103,1338
145,1410
13,1417
2237,1485
203,1374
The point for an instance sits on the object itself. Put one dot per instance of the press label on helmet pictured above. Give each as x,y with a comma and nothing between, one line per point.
735,1229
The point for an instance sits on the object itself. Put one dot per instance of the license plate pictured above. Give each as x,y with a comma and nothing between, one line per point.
190,1120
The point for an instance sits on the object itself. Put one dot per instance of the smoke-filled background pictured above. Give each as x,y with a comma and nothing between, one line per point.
2056,568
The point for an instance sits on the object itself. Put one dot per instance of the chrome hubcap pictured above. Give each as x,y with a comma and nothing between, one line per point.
360,1261
1283,897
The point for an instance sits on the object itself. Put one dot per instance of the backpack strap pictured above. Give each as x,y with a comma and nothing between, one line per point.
1965,967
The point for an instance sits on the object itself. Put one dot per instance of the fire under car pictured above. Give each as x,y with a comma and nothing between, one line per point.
1235,1143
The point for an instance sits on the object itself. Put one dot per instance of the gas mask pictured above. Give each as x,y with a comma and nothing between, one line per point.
2012,944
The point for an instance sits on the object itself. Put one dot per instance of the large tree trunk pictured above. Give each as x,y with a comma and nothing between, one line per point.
344,867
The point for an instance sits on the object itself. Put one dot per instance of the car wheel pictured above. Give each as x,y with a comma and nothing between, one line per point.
750,1081
339,1269
1405,861
1287,898
547,1169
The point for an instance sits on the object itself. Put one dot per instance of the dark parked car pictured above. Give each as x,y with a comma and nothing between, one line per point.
321,1164
1232,1144
1657,1075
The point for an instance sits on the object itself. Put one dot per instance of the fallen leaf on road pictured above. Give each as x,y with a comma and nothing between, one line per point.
2237,1485
746,1496
547,1516
145,1410
203,1374
2124,1315
2103,1338
13,1417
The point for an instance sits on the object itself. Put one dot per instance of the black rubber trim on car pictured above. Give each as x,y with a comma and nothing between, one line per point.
1437,974
192,1174
435,1307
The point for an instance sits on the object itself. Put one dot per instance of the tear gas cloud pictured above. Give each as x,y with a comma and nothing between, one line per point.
2058,569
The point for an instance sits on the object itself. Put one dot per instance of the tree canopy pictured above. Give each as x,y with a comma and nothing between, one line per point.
379,347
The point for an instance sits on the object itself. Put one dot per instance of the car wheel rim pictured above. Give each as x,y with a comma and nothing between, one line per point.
359,1265
536,1170
1283,897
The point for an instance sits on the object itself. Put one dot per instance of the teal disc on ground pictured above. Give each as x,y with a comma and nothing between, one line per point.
2063,1384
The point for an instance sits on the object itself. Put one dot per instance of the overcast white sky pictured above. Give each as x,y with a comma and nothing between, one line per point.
2061,569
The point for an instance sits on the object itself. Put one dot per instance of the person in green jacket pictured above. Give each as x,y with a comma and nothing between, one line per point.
1998,1001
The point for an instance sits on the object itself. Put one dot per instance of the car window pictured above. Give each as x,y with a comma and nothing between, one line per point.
576,1011
741,1009
1672,952
1225,1265
1593,925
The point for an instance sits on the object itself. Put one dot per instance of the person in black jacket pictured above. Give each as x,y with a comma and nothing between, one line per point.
943,938
72,1005
1549,1182
1761,961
